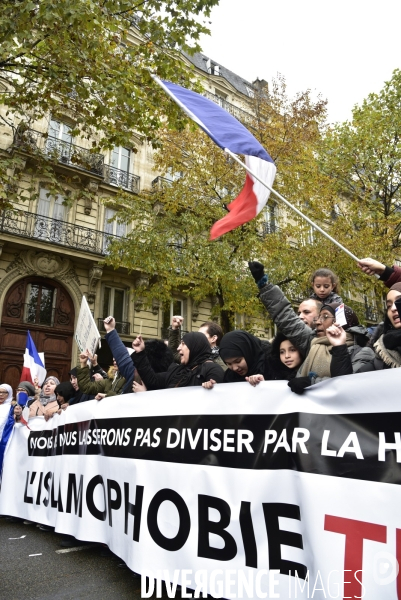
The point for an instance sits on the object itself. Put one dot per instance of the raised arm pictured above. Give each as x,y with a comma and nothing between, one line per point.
152,380
281,311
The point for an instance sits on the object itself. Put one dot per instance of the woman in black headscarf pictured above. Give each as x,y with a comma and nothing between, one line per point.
249,359
196,366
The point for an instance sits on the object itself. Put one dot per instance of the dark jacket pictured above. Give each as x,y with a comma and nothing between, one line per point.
126,366
391,275
160,381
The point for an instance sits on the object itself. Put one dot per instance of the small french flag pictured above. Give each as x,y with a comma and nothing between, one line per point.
33,363
230,134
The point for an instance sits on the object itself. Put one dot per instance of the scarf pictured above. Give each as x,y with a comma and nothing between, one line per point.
44,400
319,357
241,344
391,358
199,353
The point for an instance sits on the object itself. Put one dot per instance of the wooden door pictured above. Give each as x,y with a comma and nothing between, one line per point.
45,308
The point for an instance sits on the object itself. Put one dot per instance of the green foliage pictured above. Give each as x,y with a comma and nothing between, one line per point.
363,159
169,242
81,58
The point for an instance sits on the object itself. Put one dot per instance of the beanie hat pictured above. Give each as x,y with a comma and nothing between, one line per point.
350,315
28,387
396,287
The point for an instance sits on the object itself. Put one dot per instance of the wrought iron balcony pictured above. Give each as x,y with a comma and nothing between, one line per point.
30,225
73,155
122,327
29,140
159,183
121,179
238,113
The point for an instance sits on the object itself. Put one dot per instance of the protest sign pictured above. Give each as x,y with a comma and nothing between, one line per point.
237,491
87,334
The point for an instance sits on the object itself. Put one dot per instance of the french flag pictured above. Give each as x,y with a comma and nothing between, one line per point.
228,133
33,363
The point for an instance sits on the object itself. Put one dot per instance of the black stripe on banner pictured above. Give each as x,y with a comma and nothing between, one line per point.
357,446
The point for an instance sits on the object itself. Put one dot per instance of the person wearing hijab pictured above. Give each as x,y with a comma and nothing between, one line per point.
45,403
196,365
64,393
249,359
388,345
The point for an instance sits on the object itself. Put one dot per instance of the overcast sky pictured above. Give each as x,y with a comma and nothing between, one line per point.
343,50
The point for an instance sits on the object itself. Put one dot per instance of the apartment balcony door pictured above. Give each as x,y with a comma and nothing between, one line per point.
45,308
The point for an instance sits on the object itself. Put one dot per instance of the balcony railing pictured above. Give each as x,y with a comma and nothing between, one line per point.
238,113
122,327
159,183
121,179
29,140
71,154
44,229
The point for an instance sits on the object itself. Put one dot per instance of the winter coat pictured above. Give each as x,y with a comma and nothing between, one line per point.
391,275
284,317
110,387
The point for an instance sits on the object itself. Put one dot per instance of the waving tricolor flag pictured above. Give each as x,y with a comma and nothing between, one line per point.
230,134
33,363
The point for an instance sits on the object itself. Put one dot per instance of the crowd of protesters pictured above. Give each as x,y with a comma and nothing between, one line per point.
309,346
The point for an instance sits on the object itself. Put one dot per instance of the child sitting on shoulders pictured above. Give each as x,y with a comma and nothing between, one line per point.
325,284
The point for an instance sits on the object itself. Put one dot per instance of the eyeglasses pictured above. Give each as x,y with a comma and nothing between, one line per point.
323,318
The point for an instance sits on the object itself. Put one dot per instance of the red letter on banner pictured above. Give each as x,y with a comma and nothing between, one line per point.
355,532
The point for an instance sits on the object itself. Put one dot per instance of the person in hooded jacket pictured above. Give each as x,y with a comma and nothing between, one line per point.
196,366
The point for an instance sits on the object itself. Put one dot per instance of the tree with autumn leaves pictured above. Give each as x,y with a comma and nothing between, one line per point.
91,61
170,243
345,178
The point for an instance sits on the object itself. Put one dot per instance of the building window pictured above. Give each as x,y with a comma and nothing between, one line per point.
174,307
59,141
40,304
114,303
121,158
50,215
212,68
250,91
270,214
113,227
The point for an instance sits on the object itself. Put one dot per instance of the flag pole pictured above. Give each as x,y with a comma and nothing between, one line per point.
301,214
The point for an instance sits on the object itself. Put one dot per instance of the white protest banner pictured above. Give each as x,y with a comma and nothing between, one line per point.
87,334
238,491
